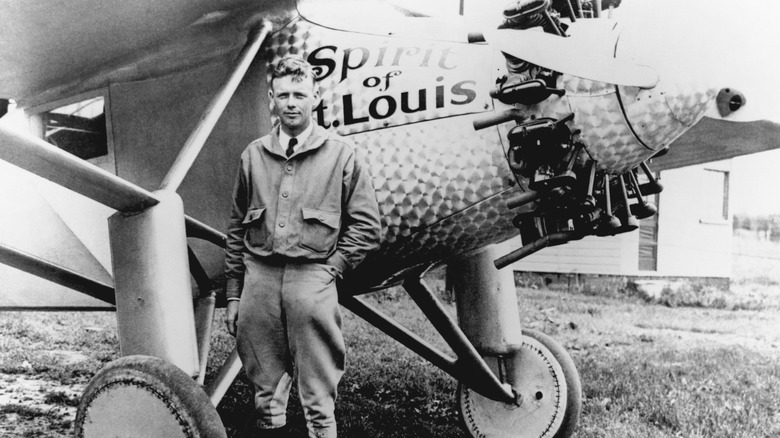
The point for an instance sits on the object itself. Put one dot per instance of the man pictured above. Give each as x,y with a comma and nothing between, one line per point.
304,213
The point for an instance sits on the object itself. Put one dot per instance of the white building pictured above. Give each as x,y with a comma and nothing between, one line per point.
689,237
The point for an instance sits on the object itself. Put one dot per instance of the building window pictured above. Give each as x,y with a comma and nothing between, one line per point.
79,128
716,195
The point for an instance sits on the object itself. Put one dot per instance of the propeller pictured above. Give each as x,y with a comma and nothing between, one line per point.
571,55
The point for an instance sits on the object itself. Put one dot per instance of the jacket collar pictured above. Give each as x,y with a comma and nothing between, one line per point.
316,139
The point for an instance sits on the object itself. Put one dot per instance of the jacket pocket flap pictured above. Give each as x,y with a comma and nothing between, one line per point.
324,217
253,215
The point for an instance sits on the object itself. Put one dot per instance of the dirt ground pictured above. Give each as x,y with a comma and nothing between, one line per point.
47,359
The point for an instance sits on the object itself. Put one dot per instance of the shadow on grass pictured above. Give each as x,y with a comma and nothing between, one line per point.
364,408
387,391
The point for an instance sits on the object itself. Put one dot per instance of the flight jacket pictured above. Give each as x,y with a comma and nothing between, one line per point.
318,205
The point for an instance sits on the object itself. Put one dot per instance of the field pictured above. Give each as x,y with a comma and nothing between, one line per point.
709,367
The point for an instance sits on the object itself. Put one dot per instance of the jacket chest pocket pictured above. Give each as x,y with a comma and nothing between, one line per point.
320,230
256,230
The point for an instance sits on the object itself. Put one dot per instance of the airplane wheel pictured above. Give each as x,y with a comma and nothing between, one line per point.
549,387
574,387
142,396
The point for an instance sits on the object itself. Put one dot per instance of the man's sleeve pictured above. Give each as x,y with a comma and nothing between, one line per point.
361,229
234,244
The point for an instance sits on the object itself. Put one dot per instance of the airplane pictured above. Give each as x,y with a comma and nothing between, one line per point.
541,125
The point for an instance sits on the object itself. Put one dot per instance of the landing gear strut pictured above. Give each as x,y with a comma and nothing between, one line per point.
549,394
541,374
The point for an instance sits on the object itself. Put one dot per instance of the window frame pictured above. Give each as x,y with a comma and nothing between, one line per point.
34,116
723,218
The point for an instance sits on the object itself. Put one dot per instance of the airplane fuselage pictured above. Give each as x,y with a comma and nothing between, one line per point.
443,186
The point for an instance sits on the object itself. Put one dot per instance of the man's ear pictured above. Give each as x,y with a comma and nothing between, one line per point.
271,102
316,96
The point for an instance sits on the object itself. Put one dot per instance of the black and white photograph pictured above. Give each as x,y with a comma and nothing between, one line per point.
389,219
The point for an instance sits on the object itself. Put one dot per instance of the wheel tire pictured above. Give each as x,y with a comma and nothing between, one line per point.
142,396
574,387
545,367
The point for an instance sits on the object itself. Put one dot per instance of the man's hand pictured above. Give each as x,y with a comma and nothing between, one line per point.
231,316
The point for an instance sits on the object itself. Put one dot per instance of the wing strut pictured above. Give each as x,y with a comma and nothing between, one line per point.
56,273
56,165
192,147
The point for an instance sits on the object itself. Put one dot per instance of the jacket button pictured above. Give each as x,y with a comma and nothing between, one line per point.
284,195
281,224
289,167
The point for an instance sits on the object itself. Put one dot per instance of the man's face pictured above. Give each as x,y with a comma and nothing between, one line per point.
293,101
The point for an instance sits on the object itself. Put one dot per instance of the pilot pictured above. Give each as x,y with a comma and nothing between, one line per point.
304,214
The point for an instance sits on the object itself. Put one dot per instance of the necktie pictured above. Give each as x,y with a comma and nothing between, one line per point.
291,146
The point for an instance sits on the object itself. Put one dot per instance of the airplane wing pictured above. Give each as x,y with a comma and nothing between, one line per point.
45,45
717,139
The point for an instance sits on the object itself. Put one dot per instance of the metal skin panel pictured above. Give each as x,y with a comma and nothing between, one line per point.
660,115
370,82
623,126
423,173
607,136
441,188
604,130
440,184
487,222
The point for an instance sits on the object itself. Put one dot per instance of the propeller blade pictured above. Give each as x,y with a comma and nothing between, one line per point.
570,56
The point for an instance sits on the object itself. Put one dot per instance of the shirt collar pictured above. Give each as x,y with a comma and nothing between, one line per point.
284,139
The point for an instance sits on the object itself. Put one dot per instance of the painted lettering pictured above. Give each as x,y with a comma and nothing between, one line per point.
440,93
468,93
381,58
319,111
411,51
373,107
346,66
371,82
421,104
349,118
426,58
443,60
322,67
389,75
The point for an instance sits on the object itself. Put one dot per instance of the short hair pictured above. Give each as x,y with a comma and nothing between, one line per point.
294,66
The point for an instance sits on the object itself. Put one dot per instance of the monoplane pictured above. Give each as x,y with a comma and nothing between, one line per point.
542,124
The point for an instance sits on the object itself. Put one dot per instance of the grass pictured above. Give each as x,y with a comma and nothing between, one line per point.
648,369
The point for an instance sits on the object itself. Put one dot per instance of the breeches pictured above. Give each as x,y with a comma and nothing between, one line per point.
289,318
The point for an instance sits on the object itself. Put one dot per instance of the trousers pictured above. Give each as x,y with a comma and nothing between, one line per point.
289,320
